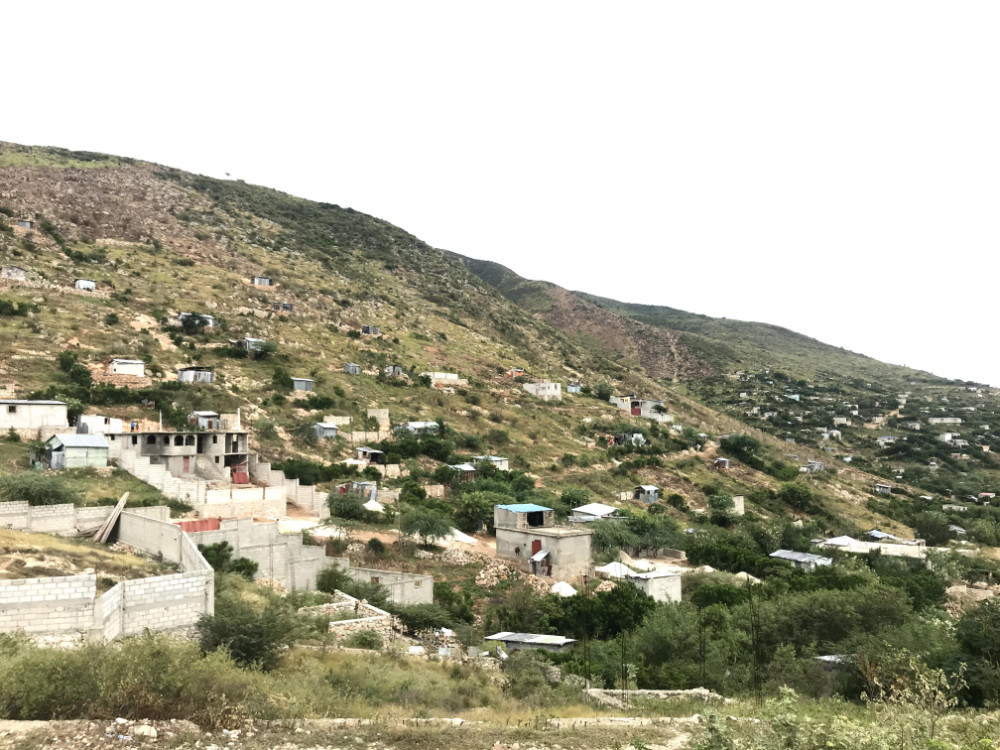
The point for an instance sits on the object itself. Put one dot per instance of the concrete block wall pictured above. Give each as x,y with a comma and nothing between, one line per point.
404,588
271,508
163,602
304,496
48,605
110,609
187,490
51,519
282,558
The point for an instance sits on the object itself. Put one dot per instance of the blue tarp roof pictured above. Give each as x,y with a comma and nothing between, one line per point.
523,507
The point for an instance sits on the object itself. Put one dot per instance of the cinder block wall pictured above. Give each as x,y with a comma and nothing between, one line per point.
48,605
51,519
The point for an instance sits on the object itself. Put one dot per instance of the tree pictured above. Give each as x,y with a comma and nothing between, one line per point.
253,638
723,510
932,527
281,380
798,496
220,557
424,524
603,391
475,509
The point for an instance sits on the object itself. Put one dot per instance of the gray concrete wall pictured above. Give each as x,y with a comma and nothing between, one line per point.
404,588
280,557
52,519
663,589
48,605
569,555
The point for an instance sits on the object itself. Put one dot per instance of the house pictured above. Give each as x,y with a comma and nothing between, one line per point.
594,512
18,414
324,430
886,440
281,306
647,493
812,467
914,425
883,489
248,344
573,386
76,451
841,421
197,319
394,371
526,534
661,585
546,390
261,281
371,330
802,560
26,223
944,420
371,455
205,420
466,472
352,369
956,529
721,463
95,424
531,641
501,463
418,428
13,273
85,284
302,384
628,438
133,367
515,372
196,375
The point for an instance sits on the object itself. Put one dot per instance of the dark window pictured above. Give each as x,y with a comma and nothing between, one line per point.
189,440
151,440
178,440
215,439
11,409
216,459
536,518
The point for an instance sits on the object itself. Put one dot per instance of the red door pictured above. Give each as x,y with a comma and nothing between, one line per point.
536,546
636,410
187,464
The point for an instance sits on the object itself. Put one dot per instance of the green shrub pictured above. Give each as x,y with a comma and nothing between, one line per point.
37,489
252,637
370,639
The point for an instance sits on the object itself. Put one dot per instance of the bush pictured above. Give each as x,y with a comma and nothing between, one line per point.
252,638
12,436
220,557
417,617
370,639
111,319
36,489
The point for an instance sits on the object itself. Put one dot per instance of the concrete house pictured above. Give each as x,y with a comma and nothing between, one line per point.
466,472
886,440
76,451
26,223
812,467
96,424
594,512
32,415
662,585
647,493
883,489
219,451
371,455
573,386
841,422
13,273
302,384
394,371
371,330
944,420
628,438
352,369
206,321
196,375
526,534
261,281
721,463
324,430
515,372
802,560
133,367
85,284
501,463
546,390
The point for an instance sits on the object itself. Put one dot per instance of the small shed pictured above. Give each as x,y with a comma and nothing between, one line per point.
466,472
281,306
371,455
647,493
134,367
352,369
371,330
394,371
883,489
261,281
302,384
721,463
419,428
76,451
206,420
85,284
200,319
802,560
573,386
501,463
531,641
26,223
594,512
248,344
196,375
324,430
514,372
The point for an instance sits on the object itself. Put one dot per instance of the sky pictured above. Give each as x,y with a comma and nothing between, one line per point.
833,168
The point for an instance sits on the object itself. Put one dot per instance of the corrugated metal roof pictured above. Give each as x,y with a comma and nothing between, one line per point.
21,401
463,467
548,640
540,555
307,380
649,487
802,557
205,413
128,361
326,425
596,509
523,507
74,440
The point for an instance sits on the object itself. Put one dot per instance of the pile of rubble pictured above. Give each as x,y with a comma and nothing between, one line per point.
495,571
960,597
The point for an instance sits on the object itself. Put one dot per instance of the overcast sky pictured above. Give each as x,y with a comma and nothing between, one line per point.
830,167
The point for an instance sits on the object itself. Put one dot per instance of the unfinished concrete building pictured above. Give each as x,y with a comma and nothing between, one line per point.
527,534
